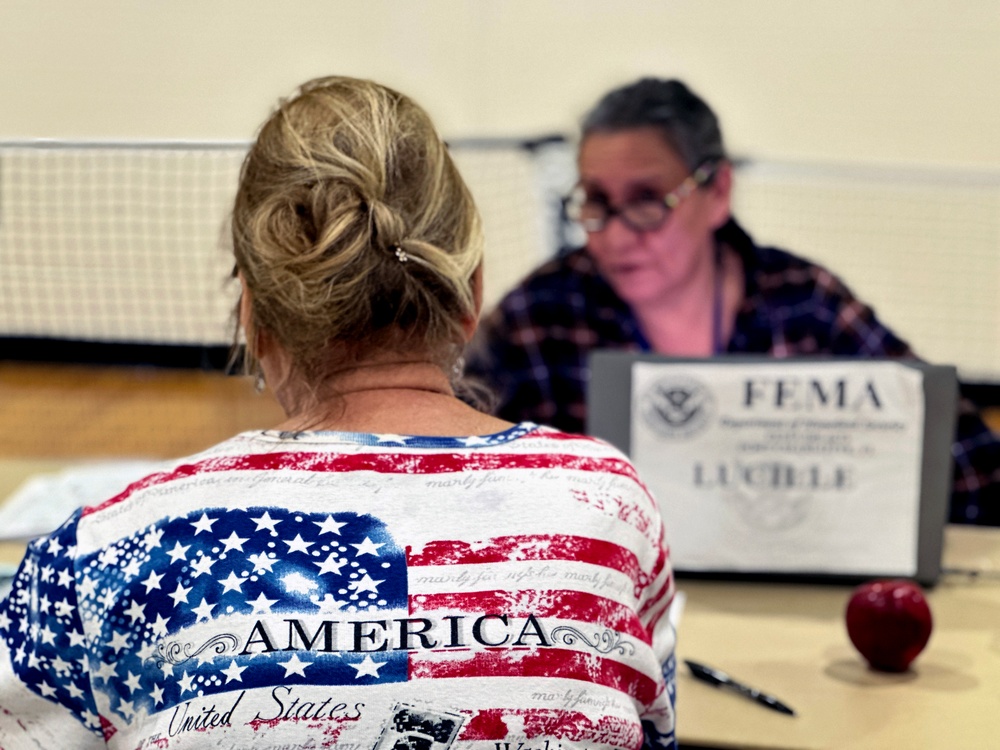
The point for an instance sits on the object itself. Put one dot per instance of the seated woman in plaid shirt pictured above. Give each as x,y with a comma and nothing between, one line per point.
667,269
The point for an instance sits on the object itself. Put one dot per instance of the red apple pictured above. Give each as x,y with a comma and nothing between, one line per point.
889,622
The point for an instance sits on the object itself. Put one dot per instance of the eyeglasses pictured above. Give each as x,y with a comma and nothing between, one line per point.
644,215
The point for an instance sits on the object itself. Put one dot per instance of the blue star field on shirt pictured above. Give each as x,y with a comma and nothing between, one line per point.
147,587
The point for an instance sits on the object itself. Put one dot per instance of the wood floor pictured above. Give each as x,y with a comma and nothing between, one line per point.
78,411
55,412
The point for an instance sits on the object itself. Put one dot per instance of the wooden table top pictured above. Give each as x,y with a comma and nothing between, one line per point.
791,641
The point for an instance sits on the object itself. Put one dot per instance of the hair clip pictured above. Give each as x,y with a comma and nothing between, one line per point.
401,254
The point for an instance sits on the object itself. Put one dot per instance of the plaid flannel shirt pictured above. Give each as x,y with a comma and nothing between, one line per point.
531,351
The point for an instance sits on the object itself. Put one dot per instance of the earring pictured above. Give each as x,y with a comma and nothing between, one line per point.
258,381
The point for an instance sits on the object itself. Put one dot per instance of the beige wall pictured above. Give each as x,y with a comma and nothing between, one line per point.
869,81
887,112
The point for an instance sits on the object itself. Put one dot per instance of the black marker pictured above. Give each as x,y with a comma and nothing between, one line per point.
721,679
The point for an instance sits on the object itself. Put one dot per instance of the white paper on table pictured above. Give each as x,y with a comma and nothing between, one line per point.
676,609
821,476
44,501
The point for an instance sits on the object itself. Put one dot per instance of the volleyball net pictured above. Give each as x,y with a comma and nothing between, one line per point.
124,245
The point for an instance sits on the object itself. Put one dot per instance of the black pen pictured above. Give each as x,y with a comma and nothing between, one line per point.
721,679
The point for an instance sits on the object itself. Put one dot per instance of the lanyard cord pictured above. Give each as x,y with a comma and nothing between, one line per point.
718,346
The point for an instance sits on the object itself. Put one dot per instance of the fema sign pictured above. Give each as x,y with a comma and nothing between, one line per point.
782,465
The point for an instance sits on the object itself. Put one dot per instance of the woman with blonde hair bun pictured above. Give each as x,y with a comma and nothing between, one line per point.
389,567
354,234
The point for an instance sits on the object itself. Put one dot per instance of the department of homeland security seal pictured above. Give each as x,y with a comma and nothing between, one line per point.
770,510
677,406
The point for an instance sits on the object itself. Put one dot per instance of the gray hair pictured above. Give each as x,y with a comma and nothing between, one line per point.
685,121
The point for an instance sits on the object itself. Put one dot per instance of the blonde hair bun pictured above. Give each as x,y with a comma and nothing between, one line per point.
353,229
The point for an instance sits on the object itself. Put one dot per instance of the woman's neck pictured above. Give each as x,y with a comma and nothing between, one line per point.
399,397
697,319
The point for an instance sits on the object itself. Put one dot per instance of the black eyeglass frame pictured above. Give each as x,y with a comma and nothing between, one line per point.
637,222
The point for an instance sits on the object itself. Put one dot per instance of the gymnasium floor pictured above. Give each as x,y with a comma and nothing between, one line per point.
51,415
79,411
59,412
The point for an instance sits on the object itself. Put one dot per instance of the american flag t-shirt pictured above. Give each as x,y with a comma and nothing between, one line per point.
325,594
